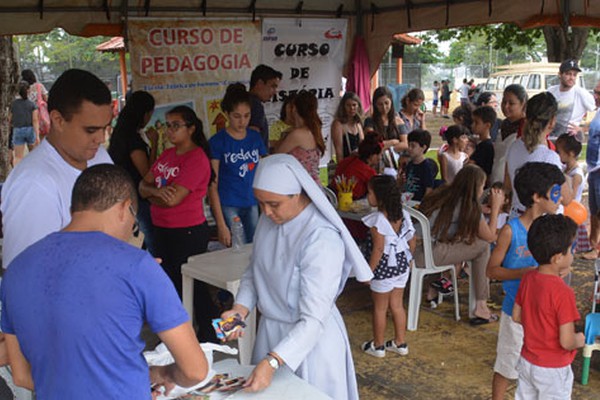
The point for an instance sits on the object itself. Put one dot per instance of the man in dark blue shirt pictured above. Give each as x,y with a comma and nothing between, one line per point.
263,86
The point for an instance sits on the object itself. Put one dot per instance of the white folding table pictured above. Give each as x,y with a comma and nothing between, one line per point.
223,269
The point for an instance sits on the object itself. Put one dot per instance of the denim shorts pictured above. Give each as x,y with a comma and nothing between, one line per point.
23,135
594,192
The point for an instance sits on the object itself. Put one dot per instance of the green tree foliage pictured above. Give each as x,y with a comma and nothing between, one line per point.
51,53
475,48
427,52
556,43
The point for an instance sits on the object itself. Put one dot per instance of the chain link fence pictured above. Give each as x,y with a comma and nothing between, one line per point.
47,73
423,75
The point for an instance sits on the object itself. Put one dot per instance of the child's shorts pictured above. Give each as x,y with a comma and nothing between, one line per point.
435,102
508,349
543,383
389,284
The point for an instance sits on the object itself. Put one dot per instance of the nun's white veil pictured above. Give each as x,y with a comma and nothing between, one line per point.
283,174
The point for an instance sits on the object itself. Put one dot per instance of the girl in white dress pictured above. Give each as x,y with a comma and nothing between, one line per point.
393,240
454,158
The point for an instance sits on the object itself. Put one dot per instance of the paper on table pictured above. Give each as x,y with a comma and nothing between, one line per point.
161,356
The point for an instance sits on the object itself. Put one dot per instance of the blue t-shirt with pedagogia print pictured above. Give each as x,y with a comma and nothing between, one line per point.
76,302
517,256
238,160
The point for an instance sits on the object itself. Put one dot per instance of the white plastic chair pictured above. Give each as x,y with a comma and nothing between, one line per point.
471,292
331,196
418,273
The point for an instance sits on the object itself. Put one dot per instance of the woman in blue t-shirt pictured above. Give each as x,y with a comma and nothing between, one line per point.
235,152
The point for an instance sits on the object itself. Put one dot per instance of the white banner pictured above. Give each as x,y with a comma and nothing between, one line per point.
310,55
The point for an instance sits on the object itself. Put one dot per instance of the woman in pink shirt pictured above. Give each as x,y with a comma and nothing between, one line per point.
175,186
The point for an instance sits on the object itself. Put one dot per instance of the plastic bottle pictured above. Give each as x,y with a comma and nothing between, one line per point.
238,237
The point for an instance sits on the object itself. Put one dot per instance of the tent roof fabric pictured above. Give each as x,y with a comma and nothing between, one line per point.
381,19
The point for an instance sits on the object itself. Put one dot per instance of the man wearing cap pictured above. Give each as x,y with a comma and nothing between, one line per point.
573,101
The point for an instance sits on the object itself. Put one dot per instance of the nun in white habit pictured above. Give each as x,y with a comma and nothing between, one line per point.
302,257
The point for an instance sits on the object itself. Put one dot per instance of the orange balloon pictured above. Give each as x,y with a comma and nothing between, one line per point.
576,211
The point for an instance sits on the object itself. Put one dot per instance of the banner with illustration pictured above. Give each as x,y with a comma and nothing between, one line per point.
310,55
191,62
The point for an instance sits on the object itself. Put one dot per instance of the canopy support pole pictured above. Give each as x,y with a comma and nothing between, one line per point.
123,67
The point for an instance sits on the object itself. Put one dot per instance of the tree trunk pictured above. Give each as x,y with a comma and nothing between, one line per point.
9,77
562,45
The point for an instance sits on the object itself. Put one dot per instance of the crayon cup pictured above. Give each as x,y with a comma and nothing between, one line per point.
344,200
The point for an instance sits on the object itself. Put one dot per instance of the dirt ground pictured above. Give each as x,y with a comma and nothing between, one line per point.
448,359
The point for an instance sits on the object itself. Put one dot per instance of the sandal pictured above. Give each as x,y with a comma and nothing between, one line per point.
443,285
482,321
590,255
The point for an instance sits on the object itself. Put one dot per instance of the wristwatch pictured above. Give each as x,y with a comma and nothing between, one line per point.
273,362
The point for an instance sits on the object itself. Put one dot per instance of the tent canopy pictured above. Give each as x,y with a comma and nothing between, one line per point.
376,20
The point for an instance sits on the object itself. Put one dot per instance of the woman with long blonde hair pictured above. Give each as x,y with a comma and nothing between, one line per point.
460,232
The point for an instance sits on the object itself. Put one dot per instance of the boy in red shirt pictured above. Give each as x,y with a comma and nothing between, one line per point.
546,308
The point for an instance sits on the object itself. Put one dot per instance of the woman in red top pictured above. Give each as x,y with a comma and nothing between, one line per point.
361,166
175,186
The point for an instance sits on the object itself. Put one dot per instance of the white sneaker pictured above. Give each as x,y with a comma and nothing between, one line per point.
369,348
390,345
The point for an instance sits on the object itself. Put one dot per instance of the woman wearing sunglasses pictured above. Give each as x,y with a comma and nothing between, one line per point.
175,186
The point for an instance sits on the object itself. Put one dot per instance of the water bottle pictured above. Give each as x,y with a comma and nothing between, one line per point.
238,237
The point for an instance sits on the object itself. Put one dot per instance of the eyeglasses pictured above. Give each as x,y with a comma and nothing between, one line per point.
597,92
176,125
136,225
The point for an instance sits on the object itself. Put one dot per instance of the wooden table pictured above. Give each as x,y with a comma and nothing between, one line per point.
223,269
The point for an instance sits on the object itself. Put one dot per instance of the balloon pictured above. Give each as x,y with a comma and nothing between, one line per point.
576,211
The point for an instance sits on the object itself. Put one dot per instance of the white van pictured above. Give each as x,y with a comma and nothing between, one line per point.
534,77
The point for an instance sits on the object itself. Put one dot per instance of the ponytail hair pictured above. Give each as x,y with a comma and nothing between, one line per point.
412,95
235,94
388,196
189,117
541,109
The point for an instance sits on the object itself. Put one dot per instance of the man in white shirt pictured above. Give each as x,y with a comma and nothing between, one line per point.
36,197
464,92
573,101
